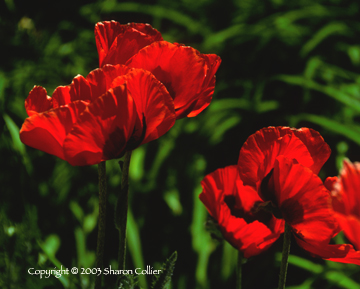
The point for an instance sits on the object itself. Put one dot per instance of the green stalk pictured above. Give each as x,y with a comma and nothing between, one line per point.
101,222
122,209
285,255
239,270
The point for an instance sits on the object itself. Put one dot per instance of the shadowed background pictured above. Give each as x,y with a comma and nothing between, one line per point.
283,63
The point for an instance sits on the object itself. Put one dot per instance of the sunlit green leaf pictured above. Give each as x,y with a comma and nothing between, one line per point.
323,33
350,131
341,280
134,245
328,90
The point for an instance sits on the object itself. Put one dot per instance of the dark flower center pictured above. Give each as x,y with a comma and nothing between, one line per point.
262,216
267,193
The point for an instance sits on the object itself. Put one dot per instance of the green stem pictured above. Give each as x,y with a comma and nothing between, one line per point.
285,255
238,270
102,222
122,209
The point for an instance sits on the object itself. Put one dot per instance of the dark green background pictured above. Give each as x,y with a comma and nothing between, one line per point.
291,63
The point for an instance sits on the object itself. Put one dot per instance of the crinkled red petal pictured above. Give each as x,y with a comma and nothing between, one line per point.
250,238
257,151
101,80
102,130
318,148
153,103
343,253
303,200
37,101
183,71
47,131
61,96
116,43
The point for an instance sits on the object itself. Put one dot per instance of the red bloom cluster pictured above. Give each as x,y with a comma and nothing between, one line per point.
188,75
275,181
345,195
142,86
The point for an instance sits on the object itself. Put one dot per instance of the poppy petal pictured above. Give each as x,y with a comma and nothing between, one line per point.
181,69
303,200
101,79
343,253
258,154
37,101
103,129
253,153
47,131
247,235
61,96
351,227
213,62
79,89
116,43
346,200
318,148
153,102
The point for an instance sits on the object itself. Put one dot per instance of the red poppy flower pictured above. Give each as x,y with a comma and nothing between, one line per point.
234,207
259,152
188,75
97,118
304,203
279,179
345,197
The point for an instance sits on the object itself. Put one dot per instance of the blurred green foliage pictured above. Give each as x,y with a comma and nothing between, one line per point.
284,63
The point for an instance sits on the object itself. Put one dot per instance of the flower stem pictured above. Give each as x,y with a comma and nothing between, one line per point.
285,255
102,221
238,270
122,209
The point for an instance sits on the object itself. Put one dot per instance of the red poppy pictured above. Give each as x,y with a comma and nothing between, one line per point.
304,204
345,197
188,75
257,155
234,207
276,173
97,118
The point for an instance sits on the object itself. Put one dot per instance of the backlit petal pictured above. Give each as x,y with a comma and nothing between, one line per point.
303,201
153,102
103,129
345,197
181,69
116,43
260,150
37,101
238,224
343,253
47,131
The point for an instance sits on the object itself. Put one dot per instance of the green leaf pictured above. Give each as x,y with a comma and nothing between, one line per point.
341,280
174,16
134,244
77,211
323,33
162,280
328,90
354,54
172,199
228,262
201,240
350,131
303,263
50,247
129,282
14,133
